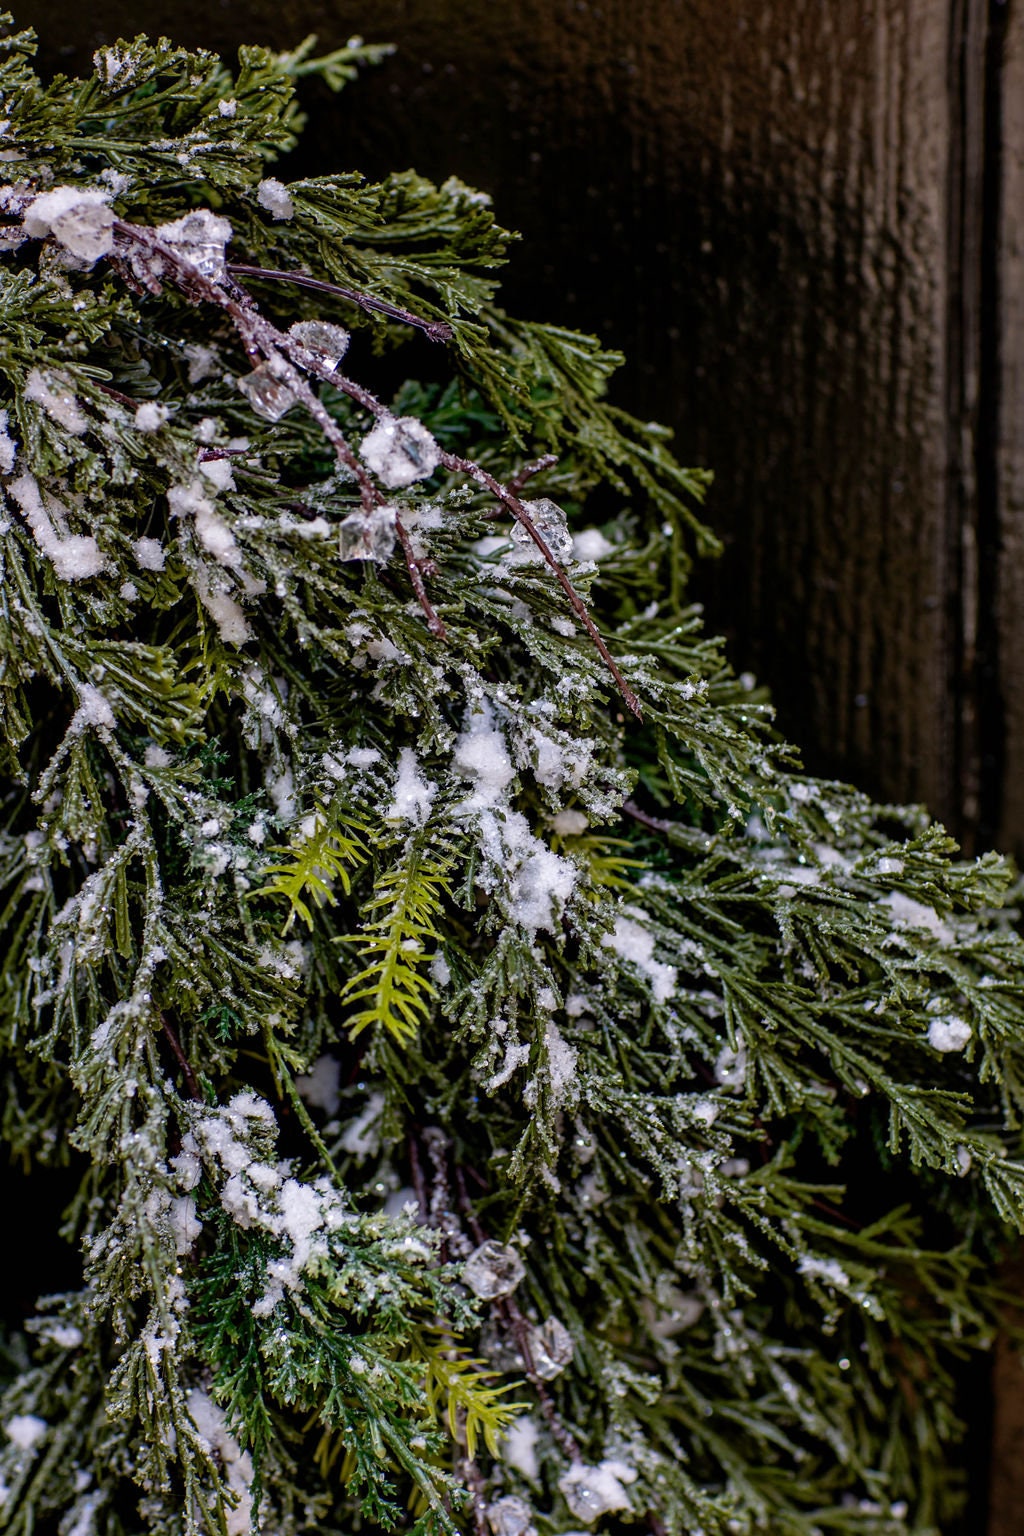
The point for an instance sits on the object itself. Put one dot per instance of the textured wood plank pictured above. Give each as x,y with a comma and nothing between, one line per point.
1010,599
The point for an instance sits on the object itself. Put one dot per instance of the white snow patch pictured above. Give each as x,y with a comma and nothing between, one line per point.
481,754
440,970
400,450
362,1137
77,217
212,1425
949,1034
413,794
8,447
25,1429
731,1068
74,556
633,942
55,393
591,544
519,1447
562,1061
828,1270
212,531
150,554
150,416
93,710
320,1085
908,913
570,823
516,1056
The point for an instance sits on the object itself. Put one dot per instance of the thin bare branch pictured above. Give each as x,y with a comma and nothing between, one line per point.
436,330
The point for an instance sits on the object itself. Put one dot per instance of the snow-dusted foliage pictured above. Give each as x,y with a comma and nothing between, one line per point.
496,1074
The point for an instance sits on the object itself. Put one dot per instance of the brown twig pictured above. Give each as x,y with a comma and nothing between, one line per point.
509,499
182,1060
436,330
519,479
434,624
286,357
419,1183
520,1327
656,823
115,394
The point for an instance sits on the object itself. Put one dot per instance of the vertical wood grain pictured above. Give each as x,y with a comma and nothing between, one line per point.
1010,435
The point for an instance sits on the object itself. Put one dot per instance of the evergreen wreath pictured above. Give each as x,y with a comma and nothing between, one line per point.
493,1069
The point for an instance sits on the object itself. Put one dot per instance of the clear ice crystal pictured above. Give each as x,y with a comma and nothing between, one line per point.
327,343
367,535
492,1271
549,521
200,236
500,1350
551,1348
87,231
268,397
510,1517
591,1492
400,450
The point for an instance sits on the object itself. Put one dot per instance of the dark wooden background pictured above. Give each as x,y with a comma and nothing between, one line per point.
803,220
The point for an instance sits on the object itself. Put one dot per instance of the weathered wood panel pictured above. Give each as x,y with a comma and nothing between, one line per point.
1008,300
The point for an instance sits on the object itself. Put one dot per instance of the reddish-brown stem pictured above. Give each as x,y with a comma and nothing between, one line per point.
515,506
436,330
434,624
477,1486
519,479
286,357
656,823
419,1183
521,1329
179,1055
115,394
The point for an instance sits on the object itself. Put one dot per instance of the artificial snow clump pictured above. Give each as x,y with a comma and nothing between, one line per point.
590,545
274,196
209,1419
591,1492
949,1033
413,794
399,451
74,556
150,554
510,1516
151,416
25,1429
55,393
632,941
8,446
79,218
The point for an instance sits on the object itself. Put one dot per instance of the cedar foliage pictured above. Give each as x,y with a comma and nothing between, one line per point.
492,1113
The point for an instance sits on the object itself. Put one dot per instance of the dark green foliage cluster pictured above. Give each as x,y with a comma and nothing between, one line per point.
492,1112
